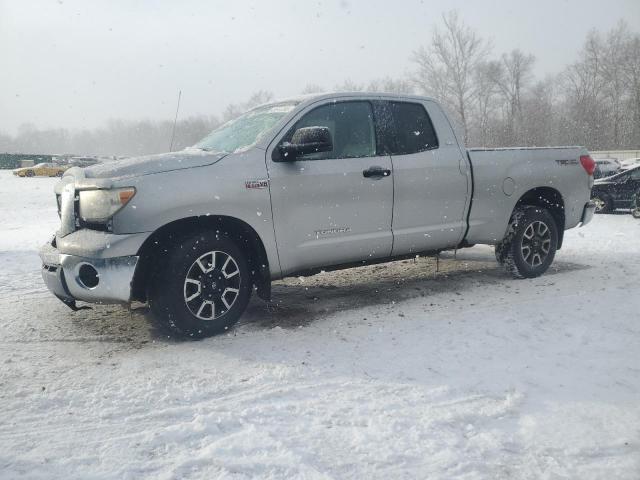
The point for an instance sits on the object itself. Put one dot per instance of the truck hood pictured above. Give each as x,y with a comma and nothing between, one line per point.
165,162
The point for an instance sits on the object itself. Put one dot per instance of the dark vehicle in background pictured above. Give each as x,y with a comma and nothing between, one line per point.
635,205
616,191
605,167
630,163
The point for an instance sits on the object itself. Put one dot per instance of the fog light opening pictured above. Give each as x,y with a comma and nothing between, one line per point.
88,276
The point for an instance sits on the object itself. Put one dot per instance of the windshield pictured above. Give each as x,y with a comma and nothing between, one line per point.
245,130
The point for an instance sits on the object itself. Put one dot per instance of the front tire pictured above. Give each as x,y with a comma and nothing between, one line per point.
203,288
29,173
531,242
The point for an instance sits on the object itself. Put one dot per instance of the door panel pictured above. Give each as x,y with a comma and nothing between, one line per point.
430,186
627,189
429,202
623,190
325,210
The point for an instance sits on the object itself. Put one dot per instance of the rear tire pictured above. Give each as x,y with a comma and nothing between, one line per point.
635,212
29,173
203,287
531,242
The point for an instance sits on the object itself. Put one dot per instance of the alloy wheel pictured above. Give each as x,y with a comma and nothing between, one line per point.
536,243
600,204
212,285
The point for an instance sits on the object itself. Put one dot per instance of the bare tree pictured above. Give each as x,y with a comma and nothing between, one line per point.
541,126
515,75
446,67
386,84
614,86
258,98
234,110
390,85
594,102
584,89
602,91
631,71
485,106
312,88
349,86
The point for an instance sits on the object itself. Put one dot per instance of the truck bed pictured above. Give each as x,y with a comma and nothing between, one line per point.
502,176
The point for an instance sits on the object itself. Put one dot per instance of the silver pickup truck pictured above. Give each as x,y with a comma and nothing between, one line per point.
317,182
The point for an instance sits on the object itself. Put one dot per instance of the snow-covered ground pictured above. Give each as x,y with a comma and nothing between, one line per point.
389,371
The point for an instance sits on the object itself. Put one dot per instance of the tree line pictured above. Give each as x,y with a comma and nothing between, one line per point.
124,137
498,101
495,99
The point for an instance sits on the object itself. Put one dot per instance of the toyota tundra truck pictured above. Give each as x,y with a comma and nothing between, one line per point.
294,187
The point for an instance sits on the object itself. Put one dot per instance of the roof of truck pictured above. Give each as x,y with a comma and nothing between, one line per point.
327,95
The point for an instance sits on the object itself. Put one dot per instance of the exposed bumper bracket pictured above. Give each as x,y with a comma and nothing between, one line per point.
587,213
72,304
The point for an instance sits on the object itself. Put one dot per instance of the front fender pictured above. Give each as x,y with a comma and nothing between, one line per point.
215,190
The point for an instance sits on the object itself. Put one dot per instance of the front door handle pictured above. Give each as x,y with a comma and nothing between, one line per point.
376,172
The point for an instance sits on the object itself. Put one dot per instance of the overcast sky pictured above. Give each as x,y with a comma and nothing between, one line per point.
78,64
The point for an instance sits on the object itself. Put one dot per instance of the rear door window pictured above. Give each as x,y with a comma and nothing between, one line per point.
409,130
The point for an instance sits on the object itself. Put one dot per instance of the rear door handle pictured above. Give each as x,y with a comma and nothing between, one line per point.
376,172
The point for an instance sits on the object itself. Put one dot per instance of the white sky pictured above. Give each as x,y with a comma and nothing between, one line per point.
79,63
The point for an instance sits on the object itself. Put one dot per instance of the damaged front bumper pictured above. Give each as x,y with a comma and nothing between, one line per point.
94,280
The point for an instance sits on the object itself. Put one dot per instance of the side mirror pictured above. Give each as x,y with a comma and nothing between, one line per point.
304,141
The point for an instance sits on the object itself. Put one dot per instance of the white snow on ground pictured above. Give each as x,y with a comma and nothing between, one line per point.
389,371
